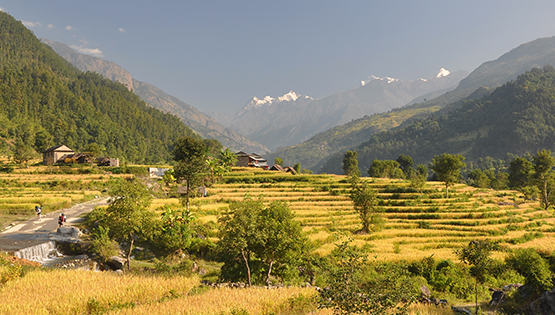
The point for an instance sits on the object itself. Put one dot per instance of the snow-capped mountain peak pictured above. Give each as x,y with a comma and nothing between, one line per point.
443,73
269,101
373,78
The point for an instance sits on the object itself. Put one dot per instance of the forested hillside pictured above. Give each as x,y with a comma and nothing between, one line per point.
45,101
516,118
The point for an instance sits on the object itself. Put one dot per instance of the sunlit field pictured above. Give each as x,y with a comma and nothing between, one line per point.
415,226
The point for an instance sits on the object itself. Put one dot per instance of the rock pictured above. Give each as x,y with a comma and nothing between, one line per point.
69,231
115,262
83,256
545,305
511,287
425,291
496,297
460,310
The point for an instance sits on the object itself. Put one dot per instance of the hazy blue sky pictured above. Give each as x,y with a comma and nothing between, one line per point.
216,55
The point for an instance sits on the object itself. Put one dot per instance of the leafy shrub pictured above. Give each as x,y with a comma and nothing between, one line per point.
102,245
533,267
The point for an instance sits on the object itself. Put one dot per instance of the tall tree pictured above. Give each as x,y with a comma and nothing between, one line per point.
191,164
350,163
448,169
544,176
478,255
406,164
519,171
127,214
278,161
365,203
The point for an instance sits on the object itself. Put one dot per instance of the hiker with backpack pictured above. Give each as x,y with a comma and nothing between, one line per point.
61,220
38,210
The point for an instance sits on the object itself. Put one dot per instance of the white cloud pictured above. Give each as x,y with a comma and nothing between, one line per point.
51,26
88,51
30,24
122,30
69,28
2,9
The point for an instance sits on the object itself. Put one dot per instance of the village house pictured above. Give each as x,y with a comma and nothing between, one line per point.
55,154
63,154
250,160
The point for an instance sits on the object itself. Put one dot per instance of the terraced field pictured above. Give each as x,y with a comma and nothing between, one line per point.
416,225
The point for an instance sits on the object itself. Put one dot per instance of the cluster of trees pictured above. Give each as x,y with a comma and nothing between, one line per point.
532,175
45,101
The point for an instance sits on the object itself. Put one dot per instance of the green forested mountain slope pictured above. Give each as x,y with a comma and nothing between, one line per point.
202,124
314,152
46,101
517,117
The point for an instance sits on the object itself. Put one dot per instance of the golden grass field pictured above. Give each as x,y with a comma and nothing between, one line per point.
414,228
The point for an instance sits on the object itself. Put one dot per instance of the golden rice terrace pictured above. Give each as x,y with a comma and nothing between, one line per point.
416,225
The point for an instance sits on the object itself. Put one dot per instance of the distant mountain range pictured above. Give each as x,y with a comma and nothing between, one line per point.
202,124
315,152
294,118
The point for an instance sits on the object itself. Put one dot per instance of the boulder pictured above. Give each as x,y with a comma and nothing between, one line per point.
425,291
66,234
69,231
115,262
496,297
545,305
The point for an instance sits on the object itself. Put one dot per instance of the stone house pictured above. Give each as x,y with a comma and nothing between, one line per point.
55,154
250,160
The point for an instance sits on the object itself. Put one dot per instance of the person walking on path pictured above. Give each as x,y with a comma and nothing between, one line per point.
38,210
61,220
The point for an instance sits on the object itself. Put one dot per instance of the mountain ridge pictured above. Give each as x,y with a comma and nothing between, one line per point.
204,125
295,121
484,78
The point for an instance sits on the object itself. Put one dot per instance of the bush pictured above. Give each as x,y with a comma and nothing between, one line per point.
533,267
102,245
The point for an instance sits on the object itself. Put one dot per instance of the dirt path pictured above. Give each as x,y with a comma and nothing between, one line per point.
33,232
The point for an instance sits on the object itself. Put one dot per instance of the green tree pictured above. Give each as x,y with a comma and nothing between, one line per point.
349,289
175,232
406,164
278,161
478,255
477,178
418,179
191,164
266,237
297,168
238,238
385,169
448,169
127,215
543,176
519,171
350,163
282,242
365,203
22,153
228,158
